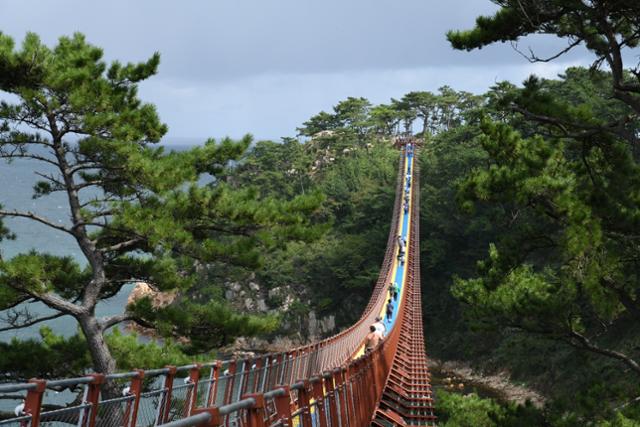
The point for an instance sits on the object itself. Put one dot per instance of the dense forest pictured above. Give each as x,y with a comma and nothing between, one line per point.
530,212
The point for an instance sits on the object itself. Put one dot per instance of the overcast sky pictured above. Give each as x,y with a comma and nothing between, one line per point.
231,67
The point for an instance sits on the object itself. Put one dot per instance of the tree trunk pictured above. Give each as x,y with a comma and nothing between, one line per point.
424,129
103,361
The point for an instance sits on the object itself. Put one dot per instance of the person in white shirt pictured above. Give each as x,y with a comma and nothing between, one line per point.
380,328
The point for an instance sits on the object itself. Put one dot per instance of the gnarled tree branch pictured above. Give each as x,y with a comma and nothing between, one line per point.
32,216
578,340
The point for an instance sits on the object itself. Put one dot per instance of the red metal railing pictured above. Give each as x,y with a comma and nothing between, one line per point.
313,385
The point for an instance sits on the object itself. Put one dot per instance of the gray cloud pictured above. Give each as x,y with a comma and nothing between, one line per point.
266,65
273,105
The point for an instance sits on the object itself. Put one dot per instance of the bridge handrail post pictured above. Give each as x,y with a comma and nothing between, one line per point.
373,380
349,376
381,370
131,413
93,397
255,414
359,395
283,406
256,375
362,389
213,387
341,387
291,360
330,389
194,378
33,401
273,372
244,379
168,387
228,389
266,385
304,403
316,355
215,379
318,395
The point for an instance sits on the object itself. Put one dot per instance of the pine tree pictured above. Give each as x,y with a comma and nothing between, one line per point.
568,177
136,212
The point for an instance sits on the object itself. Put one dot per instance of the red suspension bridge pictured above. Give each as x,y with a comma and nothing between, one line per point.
334,382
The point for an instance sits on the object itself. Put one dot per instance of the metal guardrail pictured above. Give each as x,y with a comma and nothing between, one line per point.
315,385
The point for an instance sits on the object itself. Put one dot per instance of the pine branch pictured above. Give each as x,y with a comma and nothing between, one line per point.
632,306
627,403
533,58
123,245
13,155
30,215
14,325
17,303
580,341
615,126
98,200
57,303
108,322
89,184
60,185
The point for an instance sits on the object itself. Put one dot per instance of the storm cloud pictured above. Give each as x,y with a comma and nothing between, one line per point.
265,66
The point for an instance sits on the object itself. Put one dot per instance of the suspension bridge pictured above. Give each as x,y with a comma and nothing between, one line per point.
335,382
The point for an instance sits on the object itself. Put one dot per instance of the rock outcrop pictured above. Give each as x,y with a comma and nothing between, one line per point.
158,299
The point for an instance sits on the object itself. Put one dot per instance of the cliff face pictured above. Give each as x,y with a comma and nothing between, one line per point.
158,299
300,323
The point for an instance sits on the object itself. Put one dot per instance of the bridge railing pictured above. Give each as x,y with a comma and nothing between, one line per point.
343,396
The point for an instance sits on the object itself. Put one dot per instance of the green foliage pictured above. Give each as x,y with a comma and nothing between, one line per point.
456,410
558,195
5,234
17,68
384,118
338,270
505,25
619,421
322,121
130,353
208,325
275,169
50,357
350,116
54,356
563,167
438,112
577,21
41,273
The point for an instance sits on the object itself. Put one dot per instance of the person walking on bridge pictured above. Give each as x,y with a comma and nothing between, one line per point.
393,291
402,244
380,328
372,339
389,309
